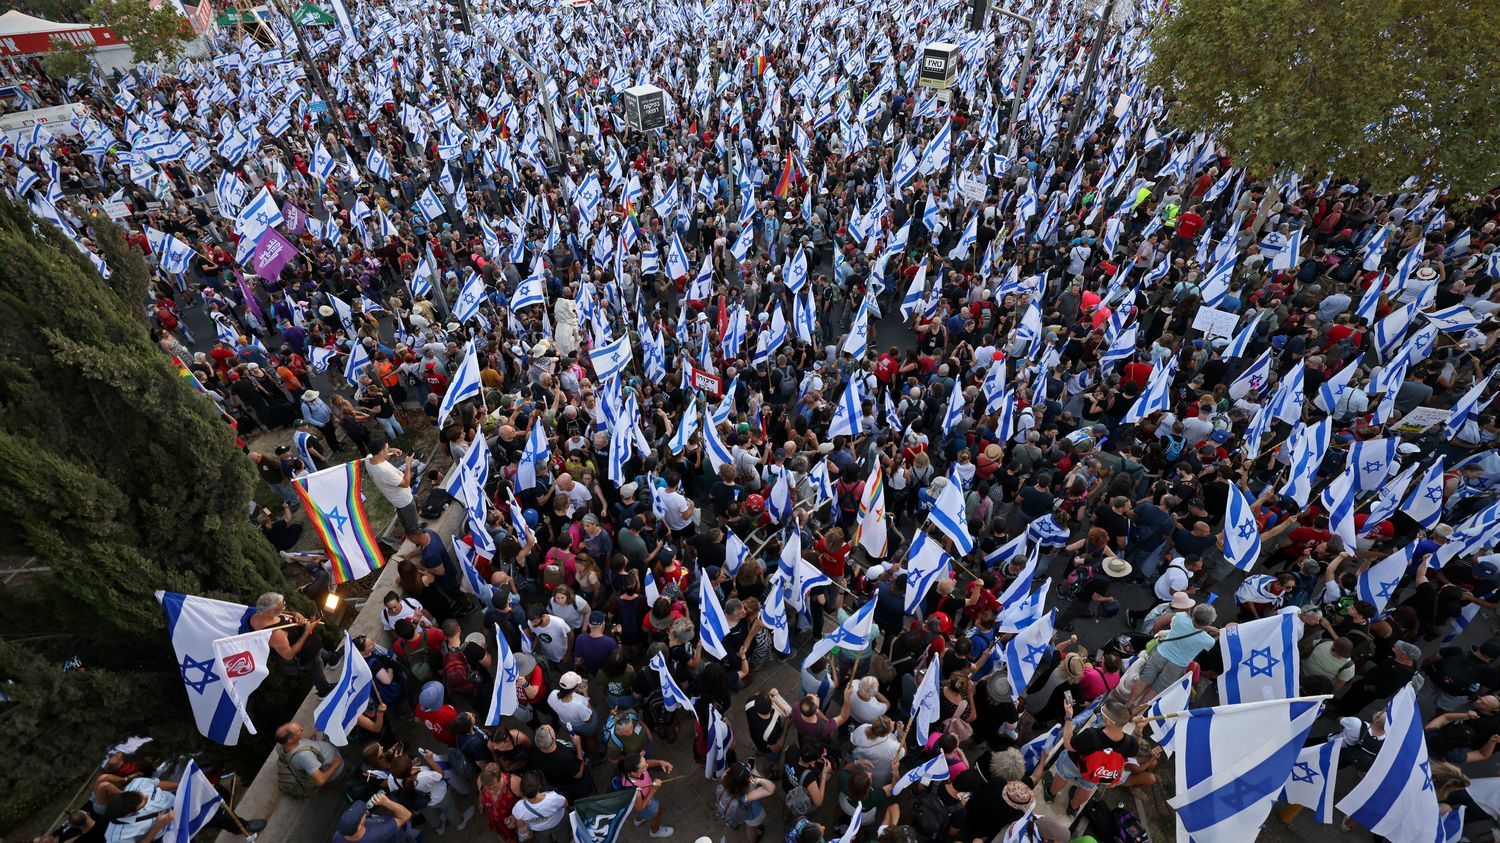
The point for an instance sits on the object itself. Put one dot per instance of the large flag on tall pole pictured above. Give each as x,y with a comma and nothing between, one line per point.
870,531
504,699
1232,762
340,710
337,512
194,623
1395,799
465,383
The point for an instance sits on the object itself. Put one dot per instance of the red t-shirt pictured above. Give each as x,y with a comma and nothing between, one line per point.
886,368
1138,373
830,560
1189,224
438,722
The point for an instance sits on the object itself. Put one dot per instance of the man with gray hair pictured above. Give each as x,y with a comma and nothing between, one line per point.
296,640
1189,634
1381,681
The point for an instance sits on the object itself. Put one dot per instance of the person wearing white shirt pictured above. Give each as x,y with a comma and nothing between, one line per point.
442,801
678,511
1173,579
543,811
140,813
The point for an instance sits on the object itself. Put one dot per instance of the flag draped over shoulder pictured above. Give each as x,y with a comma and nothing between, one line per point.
194,623
337,511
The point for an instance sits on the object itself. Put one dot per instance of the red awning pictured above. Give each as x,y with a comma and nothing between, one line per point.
24,35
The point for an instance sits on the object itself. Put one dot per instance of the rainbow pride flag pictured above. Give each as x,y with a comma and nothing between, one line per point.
188,377
784,184
761,63
337,511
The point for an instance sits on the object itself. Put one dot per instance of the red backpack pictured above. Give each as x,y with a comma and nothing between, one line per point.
1103,766
457,676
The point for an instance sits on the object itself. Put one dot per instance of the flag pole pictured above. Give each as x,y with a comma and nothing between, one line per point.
229,809
1238,707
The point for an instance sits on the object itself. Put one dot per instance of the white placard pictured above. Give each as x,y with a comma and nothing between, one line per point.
1215,323
972,187
1420,419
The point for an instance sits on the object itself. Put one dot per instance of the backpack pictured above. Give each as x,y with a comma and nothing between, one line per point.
654,710
290,780
419,662
1077,578
457,676
1103,766
932,815
847,501
1130,829
1173,449
1364,645
731,809
1455,676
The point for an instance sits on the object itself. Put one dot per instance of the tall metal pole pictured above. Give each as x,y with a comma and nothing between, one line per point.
1015,103
546,96
1085,91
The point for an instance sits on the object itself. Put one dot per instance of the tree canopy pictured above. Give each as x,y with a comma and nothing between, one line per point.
1380,89
157,33
121,480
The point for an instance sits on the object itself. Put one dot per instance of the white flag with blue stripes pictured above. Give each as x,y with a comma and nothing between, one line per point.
1395,798
848,413
926,563
1025,652
340,710
194,805
1379,583
1157,396
1232,762
950,516
932,770
194,623
1261,660
672,695
1313,777
611,358
1241,531
1425,502
853,635
713,626
1372,461
465,383
1170,701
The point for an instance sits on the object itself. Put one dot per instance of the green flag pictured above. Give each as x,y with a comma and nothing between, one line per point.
599,819
309,15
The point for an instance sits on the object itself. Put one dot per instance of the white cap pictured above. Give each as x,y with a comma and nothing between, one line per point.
874,572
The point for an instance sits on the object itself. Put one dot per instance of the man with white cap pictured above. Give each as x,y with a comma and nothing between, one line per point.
317,413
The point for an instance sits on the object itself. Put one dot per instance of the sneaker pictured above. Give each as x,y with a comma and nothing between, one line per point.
468,815
664,831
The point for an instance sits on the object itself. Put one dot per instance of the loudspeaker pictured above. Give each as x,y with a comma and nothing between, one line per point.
979,10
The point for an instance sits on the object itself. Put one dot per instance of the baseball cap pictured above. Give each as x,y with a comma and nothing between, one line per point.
353,816
597,618
569,681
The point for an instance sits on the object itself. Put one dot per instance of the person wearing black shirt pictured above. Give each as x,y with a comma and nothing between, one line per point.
1094,757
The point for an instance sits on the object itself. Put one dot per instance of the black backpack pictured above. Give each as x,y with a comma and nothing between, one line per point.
932,815
1456,675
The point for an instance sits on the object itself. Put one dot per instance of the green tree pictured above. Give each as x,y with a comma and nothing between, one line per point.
66,60
157,34
121,480
1380,89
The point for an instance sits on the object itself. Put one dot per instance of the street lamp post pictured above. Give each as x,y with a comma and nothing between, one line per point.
1015,105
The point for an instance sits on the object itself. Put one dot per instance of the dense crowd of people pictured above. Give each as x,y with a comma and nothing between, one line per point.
1117,336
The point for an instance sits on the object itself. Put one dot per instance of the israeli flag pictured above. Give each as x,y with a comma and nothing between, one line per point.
470,298
529,292
1309,444
735,552
718,453
955,408
1025,610
1241,340
1467,406
803,576
1171,701
926,703
534,454
1121,347
858,341
1338,501
465,383
672,695
1313,778
1288,258
338,712
779,501
1372,461
936,155
685,429
933,770
926,564
1425,502
194,805
1002,555
1253,379
1261,660
430,206
1455,319
257,215
948,515
357,361
1380,582
719,737
773,612
1157,396
612,358
1388,500
1241,532
796,273
856,633
320,358
194,623
713,626
1374,251
1227,784
1395,798
1025,652
1046,531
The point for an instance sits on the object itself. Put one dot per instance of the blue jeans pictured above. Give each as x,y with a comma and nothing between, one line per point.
391,426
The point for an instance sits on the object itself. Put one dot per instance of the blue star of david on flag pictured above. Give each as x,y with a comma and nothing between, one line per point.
337,519
1373,467
1262,668
205,669
1034,654
1387,587
1304,772
1247,531
1434,494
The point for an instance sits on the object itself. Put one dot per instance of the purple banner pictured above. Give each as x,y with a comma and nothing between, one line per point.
251,301
295,218
271,254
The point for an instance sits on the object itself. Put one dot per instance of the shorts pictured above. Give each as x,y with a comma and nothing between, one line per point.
649,812
755,815
588,729
1159,673
1065,769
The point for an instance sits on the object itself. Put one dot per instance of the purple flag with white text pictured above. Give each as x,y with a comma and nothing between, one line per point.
295,218
271,254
